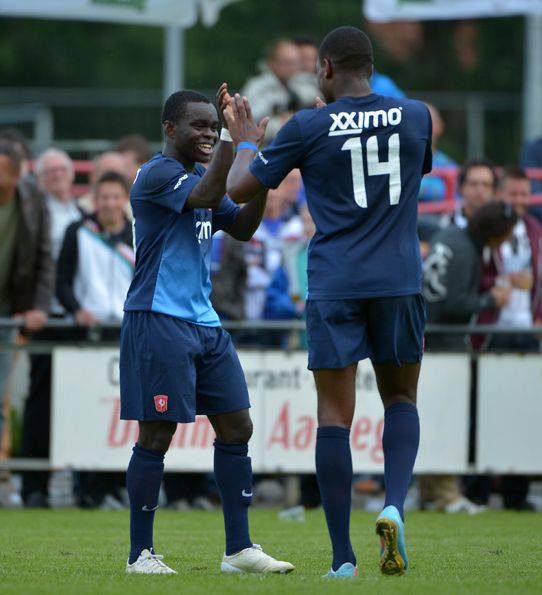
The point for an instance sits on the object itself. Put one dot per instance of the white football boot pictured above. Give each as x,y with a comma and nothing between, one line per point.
149,563
254,559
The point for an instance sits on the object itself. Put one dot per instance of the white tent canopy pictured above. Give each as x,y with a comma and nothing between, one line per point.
401,10
175,13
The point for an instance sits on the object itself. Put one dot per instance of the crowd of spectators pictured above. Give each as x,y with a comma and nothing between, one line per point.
71,256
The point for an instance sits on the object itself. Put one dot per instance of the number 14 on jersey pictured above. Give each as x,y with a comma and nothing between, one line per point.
391,168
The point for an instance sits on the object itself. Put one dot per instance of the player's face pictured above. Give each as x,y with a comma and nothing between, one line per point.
517,193
196,134
9,176
110,202
478,188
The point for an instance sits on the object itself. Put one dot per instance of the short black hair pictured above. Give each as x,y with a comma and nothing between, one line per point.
306,40
16,137
492,220
115,178
8,149
478,162
137,144
272,48
175,105
514,172
349,49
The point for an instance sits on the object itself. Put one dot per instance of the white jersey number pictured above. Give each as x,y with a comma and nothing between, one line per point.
391,168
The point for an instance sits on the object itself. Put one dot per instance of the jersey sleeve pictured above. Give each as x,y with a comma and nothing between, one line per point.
428,157
225,215
275,162
169,186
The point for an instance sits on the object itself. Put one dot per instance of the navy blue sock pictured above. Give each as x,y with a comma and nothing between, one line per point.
400,443
143,480
334,473
233,475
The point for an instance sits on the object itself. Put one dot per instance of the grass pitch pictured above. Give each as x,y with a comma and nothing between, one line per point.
72,551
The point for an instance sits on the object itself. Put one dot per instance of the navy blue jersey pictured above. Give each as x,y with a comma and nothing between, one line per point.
173,242
362,160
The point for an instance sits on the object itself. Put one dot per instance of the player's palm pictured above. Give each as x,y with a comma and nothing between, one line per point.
224,102
241,123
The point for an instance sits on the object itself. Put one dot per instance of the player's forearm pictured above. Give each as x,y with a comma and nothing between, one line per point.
241,185
249,218
209,192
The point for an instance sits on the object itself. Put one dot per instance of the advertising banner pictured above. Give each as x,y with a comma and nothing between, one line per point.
509,414
87,432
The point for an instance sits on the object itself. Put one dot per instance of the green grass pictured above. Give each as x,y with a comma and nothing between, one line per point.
72,551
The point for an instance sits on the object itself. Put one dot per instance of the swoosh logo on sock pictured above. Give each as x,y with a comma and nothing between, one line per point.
246,494
147,509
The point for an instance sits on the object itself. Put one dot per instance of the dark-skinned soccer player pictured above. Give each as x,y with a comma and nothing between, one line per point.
176,360
362,157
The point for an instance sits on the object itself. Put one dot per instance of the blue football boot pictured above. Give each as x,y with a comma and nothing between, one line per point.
346,570
391,529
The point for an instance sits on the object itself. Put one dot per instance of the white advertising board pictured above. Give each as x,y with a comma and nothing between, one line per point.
509,414
87,432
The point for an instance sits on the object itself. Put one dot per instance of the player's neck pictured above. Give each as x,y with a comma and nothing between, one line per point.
172,153
348,87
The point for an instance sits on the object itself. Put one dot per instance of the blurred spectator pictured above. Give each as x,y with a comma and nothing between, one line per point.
519,263
453,269
477,184
308,53
26,268
55,175
282,88
433,189
531,156
452,279
287,293
384,85
264,251
18,141
228,276
136,151
105,162
94,271
96,263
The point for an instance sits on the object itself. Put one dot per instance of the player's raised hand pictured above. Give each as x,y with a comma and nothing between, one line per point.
241,123
223,98
319,103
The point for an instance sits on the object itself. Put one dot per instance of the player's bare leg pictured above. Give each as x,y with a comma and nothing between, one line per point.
336,390
143,480
398,390
233,475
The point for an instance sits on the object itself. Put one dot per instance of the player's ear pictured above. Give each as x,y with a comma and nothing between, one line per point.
370,70
328,68
169,129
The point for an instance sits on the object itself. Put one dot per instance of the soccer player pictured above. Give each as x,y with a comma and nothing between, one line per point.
176,361
362,157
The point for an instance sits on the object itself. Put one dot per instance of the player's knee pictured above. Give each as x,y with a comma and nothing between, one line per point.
156,436
238,433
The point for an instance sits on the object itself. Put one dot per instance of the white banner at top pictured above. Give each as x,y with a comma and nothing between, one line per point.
419,10
182,13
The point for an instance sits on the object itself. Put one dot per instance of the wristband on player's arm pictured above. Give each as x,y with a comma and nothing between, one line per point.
247,145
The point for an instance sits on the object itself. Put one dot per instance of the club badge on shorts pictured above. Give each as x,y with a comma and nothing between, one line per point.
160,403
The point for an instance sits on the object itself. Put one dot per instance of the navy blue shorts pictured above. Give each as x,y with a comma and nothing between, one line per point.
386,330
171,370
